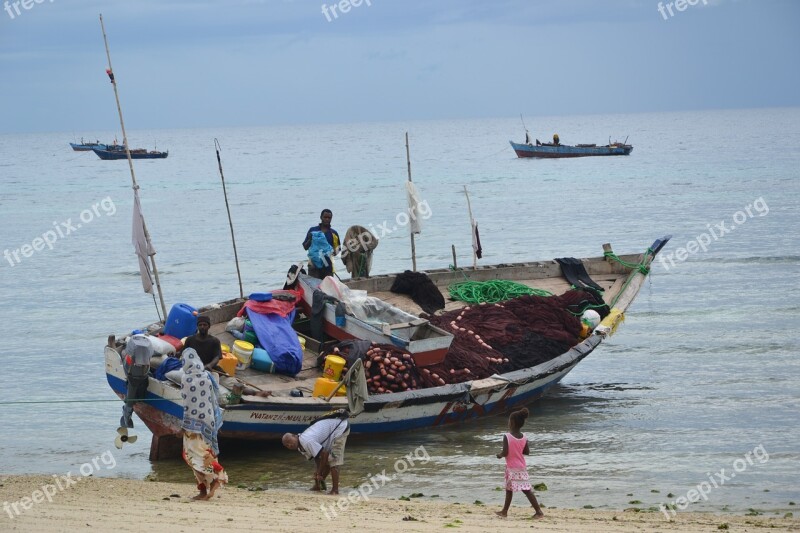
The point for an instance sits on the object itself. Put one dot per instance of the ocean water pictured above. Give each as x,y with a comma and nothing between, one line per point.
700,382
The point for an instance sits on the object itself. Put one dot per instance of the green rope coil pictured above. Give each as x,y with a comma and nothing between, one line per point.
491,292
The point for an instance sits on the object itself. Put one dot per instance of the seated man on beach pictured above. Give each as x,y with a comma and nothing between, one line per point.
324,442
207,346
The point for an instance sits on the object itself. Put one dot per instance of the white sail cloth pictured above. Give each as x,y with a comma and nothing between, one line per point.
141,245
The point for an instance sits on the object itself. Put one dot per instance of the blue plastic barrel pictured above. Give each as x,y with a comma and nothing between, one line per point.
181,321
262,361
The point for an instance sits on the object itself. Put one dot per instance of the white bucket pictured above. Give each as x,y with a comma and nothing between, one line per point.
243,351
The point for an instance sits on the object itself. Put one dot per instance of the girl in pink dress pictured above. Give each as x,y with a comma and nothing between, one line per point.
515,446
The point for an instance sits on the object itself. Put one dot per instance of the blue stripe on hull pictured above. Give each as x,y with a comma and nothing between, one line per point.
162,404
230,429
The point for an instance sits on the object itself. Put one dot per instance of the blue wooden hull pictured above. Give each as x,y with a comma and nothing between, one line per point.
387,413
120,154
87,147
565,150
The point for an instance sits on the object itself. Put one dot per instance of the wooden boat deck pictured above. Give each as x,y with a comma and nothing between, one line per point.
278,384
612,283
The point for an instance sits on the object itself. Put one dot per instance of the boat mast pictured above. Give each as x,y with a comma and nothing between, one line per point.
151,251
413,246
230,221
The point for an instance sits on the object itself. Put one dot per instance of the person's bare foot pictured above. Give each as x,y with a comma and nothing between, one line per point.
213,489
501,514
537,516
333,492
315,488
201,497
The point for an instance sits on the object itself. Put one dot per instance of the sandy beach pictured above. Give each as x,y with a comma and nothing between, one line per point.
105,504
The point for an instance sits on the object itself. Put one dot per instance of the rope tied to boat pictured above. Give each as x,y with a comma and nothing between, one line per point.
493,291
641,266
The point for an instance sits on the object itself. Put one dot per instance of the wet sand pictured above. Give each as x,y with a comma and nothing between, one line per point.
105,504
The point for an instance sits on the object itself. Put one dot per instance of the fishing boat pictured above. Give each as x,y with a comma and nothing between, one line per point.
278,408
88,147
557,150
118,152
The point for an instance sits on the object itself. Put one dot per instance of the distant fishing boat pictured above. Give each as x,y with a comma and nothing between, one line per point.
556,149
87,147
137,153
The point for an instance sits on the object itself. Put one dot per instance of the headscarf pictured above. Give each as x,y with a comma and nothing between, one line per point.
201,412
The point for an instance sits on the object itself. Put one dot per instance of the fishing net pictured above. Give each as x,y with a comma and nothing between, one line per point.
488,339
516,334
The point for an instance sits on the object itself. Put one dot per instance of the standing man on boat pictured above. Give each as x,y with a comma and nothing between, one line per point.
208,347
321,256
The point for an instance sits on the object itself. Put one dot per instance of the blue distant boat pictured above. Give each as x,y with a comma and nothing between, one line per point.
118,152
87,147
556,149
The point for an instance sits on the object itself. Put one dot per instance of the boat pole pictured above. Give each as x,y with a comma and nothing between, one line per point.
471,230
130,164
230,222
413,245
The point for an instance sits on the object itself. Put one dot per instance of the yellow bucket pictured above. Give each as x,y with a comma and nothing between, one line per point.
225,348
324,386
333,367
243,351
302,342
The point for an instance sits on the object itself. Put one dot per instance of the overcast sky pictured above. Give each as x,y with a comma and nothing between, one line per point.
195,63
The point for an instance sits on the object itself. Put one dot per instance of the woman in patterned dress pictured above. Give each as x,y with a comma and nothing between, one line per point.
515,447
202,418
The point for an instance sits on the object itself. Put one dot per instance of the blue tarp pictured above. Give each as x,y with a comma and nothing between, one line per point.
276,336
167,365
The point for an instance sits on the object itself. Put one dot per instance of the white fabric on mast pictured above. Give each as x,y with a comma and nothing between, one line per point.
414,221
140,244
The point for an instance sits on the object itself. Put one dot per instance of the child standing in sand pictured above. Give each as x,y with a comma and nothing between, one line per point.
515,447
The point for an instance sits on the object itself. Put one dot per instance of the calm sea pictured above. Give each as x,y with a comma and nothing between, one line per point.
703,372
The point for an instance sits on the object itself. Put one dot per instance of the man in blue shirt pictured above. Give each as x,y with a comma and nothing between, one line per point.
321,263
